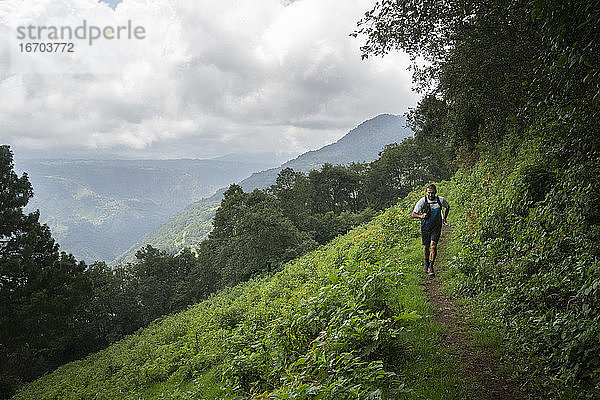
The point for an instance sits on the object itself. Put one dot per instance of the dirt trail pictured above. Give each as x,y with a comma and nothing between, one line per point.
478,364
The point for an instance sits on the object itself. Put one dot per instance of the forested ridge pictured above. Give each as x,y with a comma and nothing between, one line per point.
511,92
191,226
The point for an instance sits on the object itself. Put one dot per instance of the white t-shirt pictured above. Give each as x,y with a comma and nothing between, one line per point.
420,206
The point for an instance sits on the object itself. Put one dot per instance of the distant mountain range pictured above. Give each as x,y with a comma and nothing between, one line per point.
189,227
361,144
97,209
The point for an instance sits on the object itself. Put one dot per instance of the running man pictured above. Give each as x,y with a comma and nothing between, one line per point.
432,210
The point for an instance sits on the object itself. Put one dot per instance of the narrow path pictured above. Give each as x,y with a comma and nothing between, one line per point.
479,366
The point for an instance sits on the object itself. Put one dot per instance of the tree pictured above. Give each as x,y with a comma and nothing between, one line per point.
335,188
567,71
229,213
497,65
402,167
157,276
327,202
40,288
251,235
295,194
478,57
110,310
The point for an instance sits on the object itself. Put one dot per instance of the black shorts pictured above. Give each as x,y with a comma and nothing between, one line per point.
430,235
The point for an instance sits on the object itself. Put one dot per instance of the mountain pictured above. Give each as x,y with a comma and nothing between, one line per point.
96,209
362,144
258,158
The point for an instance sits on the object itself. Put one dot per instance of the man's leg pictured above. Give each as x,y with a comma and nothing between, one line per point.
432,255
425,239
435,237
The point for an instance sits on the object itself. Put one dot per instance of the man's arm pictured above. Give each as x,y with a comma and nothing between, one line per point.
417,210
445,212
421,216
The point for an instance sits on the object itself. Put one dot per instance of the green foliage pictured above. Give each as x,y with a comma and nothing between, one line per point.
529,248
494,66
512,89
570,62
251,235
327,326
110,309
402,167
478,55
41,289
186,229
335,189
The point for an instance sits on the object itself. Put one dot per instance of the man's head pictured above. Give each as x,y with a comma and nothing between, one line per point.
431,191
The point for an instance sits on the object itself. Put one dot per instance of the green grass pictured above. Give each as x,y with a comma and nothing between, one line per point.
430,367
349,320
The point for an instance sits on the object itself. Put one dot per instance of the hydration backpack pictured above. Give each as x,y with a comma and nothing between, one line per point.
427,209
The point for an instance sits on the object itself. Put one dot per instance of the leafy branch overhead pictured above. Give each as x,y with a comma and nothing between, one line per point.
491,61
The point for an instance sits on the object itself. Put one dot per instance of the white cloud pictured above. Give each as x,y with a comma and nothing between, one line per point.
208,78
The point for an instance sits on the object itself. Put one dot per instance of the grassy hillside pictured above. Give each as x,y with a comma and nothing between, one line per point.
185,229
346,321
350,319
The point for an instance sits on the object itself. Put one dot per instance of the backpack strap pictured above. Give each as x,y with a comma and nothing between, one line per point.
427,208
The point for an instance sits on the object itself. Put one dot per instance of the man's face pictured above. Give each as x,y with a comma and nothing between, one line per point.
430,193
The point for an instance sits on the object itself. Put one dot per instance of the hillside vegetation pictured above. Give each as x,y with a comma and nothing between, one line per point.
512,89
350,320
58,310
336,323
187,228
511,101
529,262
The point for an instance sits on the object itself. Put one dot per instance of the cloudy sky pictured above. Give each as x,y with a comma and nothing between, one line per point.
202,79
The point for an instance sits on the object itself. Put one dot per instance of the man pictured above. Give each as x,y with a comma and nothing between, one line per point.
432,210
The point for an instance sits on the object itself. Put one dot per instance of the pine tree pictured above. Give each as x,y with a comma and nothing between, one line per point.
40,288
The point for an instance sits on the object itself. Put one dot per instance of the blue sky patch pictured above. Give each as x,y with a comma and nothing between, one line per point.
111,3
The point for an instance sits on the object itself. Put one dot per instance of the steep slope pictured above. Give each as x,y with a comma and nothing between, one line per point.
333,323
361,144
352,316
